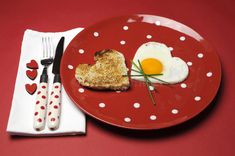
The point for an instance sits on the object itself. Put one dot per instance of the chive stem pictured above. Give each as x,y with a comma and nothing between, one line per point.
147,84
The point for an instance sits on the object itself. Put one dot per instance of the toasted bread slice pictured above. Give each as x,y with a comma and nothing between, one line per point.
107,72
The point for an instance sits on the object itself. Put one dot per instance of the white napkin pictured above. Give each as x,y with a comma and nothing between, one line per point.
72,120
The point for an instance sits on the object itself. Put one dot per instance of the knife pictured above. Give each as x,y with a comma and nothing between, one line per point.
54,105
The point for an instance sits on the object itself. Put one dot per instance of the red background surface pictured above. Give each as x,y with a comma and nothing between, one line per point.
211,133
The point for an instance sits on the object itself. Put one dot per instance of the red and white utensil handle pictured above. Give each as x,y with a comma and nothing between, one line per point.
54,107
40,107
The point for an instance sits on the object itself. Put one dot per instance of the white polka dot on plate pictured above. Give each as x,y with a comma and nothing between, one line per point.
122,42
174,111
158,23
149,36
101,105
125,27
81,51
96,34
127,119
151,88
182,38
171,49
70,66
81,90
153,117
136,105
200,55
189,63
118,91
197,98
183,85
209,74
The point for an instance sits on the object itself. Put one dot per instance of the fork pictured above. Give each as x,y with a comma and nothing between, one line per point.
42,93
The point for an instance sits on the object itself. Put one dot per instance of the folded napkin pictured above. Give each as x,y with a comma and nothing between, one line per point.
72,120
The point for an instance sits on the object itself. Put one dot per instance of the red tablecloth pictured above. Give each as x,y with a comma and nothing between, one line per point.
211,133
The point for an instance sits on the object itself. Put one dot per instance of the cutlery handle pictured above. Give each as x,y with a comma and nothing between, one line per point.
40,107
54,107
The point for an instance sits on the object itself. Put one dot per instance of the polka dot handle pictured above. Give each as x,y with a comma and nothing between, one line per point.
40,107
54,107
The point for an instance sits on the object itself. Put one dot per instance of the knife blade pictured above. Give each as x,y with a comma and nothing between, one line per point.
54,107
58,56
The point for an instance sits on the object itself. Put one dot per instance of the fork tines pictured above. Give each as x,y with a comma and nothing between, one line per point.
47,47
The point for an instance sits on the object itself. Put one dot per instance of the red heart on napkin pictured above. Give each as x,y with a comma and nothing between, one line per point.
32,74
32,64
31,88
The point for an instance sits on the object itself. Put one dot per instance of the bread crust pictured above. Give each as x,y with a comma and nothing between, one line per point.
107,72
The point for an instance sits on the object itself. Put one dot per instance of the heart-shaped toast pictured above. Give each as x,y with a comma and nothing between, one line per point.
31,88
108,73
32,74
32,64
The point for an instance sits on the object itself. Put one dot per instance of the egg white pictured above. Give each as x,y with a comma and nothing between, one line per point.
175,70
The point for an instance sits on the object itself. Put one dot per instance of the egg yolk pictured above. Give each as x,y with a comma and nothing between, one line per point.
151,66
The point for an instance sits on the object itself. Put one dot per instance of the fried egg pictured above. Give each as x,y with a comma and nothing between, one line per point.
156,58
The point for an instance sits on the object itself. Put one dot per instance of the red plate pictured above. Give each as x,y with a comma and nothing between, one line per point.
133,108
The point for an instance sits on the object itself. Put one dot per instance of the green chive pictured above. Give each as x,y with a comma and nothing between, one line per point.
146,82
